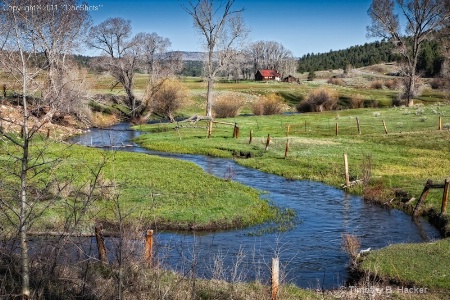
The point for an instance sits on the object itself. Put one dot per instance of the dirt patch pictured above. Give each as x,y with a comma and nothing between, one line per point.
12,118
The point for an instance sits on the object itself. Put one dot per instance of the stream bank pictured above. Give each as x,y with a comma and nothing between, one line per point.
310,253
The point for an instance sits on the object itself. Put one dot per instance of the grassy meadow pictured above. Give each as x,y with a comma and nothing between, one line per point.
394,152
412,151
149,190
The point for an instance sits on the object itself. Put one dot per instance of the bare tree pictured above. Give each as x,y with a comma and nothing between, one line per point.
152,48
120,58
124,54
224,30
423,19
161,64
271,55
30,31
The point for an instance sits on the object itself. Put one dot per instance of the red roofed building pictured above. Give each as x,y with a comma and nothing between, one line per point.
263,75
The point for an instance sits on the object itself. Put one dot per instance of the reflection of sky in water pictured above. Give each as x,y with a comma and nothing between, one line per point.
310,253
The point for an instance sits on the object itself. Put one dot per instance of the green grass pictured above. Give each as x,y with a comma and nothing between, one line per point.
412,151
173,193
424,265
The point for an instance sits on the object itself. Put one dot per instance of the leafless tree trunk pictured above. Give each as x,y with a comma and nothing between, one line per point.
123,54
423,18
25,35
113,38
223,29
160,64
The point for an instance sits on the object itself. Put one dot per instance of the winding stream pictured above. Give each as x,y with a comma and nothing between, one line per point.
310,254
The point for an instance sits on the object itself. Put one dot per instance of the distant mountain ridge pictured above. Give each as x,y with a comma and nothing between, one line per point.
192,55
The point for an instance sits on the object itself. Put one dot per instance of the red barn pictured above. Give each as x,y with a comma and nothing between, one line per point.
264,75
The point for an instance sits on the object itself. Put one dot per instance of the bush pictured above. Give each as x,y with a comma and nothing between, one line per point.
227,105
377,85
392,84
304,107
271,104
166,97
336,81
438,83
319,100
371,103
356,101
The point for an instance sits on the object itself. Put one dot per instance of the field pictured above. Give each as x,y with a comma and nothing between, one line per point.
392,152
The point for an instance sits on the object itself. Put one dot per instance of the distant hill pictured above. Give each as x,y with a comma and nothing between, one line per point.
430,60
192,56
356,56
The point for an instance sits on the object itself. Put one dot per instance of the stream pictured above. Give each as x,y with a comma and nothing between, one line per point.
311,254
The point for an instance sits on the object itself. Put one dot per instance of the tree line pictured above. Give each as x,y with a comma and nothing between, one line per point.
429,64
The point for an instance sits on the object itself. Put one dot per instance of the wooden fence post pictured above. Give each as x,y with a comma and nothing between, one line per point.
236,131
347,176
275,277
337,129
267,142
210,128
440,122
422,197
251,137
4,91
286,151
445,196
101,245
148,246
385,128
359,126
288,130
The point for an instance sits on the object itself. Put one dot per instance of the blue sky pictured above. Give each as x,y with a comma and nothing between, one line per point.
301,26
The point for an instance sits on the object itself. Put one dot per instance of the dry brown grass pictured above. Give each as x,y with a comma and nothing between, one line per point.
227,105
376,85
318,100
438,83
357,101
336,81
103,120
351,245
271,104
392,84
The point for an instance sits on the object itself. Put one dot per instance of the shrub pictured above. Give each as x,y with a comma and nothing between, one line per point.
336,81
166,97
311,76
271,104
371,103
392,84
319,100
227,105
356,101
304,107
438,83
377,85
351,245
